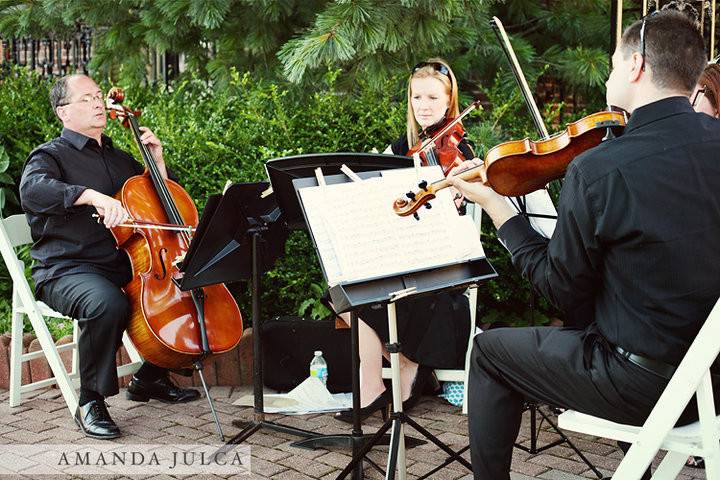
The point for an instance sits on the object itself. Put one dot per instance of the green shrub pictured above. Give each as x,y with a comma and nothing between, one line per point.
211,136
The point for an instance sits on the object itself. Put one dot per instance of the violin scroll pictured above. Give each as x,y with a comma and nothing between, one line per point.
411,203
405,207
116,94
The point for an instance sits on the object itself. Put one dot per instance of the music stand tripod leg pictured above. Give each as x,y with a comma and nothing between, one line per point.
258,422
396,455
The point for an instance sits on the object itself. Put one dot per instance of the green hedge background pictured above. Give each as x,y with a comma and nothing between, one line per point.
211,136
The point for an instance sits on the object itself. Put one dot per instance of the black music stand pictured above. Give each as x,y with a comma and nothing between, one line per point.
240,236
282,172
272,227
349,296
218,252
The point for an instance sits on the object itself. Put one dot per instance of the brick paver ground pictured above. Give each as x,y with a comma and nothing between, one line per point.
43,418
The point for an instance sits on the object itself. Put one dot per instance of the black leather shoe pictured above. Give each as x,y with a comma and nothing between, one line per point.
382,403
161,389
94,420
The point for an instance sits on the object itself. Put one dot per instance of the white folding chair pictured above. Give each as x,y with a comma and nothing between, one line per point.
457,375
701,438
461,375
14,232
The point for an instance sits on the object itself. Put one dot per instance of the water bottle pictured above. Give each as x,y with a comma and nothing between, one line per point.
318,367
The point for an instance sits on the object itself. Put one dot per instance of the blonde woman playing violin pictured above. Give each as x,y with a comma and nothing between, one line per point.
433,330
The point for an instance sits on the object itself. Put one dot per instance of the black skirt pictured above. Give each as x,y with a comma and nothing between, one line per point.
432,330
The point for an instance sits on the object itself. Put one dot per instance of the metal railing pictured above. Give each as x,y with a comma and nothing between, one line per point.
706,10
50,56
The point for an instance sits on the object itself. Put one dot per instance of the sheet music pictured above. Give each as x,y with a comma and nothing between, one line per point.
359,237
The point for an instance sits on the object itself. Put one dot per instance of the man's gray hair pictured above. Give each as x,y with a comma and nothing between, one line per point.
59,92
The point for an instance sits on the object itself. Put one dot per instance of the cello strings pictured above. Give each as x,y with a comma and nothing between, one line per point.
160,186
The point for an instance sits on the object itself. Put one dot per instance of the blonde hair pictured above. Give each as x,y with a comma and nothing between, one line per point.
451,88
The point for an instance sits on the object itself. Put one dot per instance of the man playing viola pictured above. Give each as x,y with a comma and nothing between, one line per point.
636,239
78,269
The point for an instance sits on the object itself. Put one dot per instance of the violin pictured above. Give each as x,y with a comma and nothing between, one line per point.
170,327
442,148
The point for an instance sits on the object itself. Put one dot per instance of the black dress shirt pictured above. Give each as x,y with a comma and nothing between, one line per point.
638,232
67,239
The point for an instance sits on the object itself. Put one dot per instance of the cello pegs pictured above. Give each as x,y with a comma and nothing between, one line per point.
417,217
428,206
410,195
423,185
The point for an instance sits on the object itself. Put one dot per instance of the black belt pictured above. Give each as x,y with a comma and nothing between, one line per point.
653,366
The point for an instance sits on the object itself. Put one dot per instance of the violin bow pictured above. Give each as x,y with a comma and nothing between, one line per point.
502,36
430,141
532,107
152,226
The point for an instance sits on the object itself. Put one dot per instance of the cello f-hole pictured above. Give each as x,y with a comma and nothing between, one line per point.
162,253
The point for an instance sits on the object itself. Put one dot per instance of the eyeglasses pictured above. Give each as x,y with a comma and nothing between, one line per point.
439,67
87,99
696,97
642,36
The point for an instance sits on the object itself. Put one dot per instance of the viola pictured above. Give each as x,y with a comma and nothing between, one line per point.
442,148
520,167
170,327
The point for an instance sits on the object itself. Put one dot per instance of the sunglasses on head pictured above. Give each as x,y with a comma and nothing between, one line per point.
696,97
439,67
643,36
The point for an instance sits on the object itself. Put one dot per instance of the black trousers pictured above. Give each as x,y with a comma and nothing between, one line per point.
551,365
102,311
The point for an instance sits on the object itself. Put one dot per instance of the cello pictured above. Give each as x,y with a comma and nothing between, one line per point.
171,328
